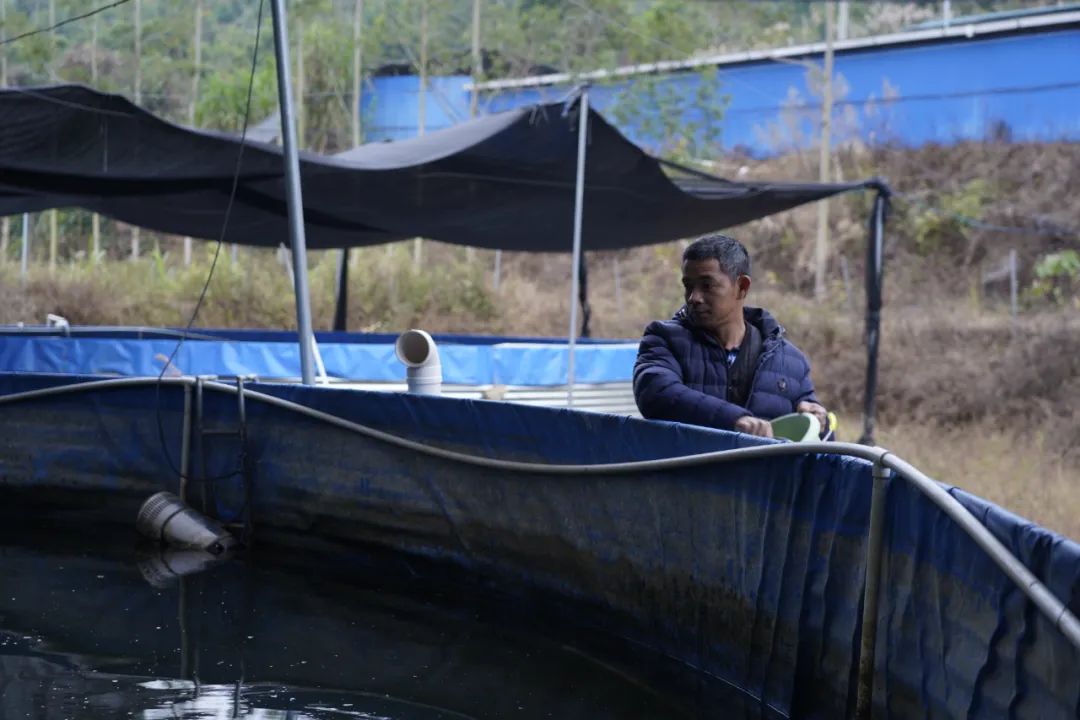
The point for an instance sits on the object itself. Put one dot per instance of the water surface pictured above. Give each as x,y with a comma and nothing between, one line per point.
94,626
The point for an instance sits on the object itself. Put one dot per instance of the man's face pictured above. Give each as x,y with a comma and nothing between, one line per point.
712,298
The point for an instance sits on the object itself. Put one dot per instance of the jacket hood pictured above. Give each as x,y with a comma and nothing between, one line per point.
762,319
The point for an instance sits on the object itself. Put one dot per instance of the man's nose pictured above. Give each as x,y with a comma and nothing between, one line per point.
695,297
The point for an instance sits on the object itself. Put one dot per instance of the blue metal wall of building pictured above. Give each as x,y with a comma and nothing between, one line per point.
390,106
1025,85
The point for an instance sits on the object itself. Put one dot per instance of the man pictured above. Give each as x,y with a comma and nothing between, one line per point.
718,363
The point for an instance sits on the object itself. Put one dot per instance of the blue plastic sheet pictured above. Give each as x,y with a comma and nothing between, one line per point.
465,360
752,572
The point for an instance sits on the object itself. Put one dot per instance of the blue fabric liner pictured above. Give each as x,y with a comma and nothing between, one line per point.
466,360
265,335
752,571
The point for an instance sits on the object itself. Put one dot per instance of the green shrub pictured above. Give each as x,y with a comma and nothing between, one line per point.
1057,278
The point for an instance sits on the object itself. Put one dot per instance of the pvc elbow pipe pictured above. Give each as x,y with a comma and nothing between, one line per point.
166,519
423,371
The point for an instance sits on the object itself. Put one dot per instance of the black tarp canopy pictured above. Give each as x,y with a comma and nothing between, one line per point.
503,181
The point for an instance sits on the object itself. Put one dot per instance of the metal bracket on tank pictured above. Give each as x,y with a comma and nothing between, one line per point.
871,589
208,499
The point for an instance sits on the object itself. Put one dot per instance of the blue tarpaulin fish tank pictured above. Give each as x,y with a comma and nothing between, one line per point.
738,563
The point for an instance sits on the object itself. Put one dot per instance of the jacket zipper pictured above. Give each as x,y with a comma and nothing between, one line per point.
761,362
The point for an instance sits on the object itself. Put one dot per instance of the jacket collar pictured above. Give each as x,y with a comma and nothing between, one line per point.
771,330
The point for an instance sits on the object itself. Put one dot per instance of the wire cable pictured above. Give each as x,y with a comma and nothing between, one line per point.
213,265
62,23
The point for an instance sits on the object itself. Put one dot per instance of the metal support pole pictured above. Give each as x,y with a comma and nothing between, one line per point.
293,195
245,475
24,260
185,445
341,303
201,439
872,586
579,203
874,272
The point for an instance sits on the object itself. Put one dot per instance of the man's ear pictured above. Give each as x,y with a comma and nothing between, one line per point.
743,284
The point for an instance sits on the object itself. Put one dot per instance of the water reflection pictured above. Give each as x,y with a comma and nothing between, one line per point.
164,566
220,702
104,632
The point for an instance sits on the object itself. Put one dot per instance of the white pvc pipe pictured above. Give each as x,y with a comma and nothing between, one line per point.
417,351
575,270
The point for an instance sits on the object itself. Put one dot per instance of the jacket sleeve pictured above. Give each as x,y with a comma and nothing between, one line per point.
806,385
661,394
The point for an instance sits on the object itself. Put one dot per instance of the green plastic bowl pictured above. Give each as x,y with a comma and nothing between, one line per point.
796,427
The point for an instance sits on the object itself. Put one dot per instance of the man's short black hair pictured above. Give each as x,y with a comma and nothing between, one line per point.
728,252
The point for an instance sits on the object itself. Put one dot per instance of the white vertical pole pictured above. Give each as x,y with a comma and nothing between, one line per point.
847,284
52,40
3,48
618,284
421,98
476,59
1012,282
821,246
579,203
95,219
421,103
53,239
294,197
135,233
194,103
5,231
358,46
25,245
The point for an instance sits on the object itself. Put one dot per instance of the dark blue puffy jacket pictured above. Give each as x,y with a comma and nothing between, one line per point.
680,374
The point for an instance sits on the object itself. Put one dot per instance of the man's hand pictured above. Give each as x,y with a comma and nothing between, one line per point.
816,410
755,426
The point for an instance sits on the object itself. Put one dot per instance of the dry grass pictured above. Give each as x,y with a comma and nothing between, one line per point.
1017,469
